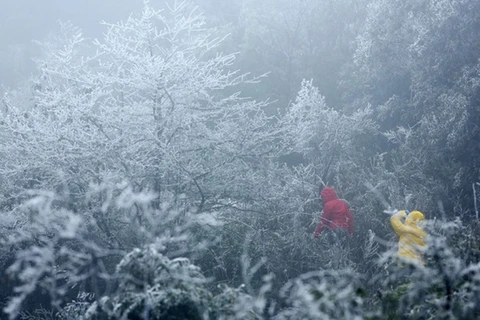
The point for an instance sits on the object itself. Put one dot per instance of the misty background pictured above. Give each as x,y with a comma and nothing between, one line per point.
23,21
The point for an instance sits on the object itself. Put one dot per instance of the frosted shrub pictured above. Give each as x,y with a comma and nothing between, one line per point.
152,286
324,295
155,287
59,251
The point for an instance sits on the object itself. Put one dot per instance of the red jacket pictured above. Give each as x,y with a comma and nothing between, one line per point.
336,213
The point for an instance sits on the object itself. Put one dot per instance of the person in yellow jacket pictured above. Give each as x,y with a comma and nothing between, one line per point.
411,237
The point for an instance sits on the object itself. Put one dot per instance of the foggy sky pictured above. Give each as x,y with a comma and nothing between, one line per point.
22,21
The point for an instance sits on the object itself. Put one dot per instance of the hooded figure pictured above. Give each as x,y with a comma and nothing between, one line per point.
336,214
411,237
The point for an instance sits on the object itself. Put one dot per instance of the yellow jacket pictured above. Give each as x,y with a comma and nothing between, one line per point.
411,238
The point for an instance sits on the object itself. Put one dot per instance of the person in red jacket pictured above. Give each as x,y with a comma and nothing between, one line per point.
336,215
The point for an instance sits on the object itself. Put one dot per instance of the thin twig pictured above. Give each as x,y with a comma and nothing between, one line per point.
475,200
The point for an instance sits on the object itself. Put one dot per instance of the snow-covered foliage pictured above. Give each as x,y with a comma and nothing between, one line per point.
416,62
150,105
324,295
58,251
137,181
154,287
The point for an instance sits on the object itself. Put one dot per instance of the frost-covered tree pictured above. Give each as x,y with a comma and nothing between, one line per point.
152,103
155,104
327,138
416,62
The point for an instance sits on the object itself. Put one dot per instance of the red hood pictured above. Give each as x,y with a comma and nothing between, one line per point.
328,194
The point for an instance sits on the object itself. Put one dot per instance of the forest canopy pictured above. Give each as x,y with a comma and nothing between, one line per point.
172,168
